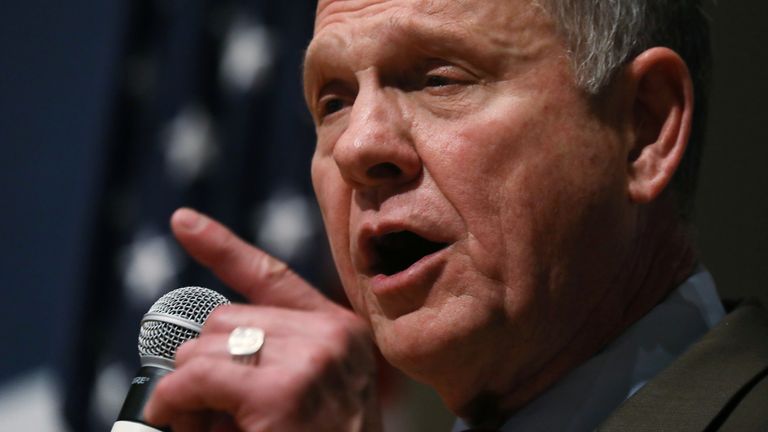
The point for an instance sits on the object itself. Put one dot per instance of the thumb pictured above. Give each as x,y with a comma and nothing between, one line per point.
259,277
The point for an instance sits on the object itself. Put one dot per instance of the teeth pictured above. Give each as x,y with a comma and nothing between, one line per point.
397,251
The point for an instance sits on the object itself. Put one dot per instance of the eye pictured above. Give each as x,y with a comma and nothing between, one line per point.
333,96
330,104
446,76
437,81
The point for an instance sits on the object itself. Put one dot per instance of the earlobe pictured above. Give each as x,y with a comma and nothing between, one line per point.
662,119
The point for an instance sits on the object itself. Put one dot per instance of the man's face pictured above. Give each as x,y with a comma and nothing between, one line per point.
475,199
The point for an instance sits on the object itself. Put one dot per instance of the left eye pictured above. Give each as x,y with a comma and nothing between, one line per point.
437,81
446,75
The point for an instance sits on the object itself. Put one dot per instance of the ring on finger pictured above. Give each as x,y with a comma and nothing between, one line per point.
244,344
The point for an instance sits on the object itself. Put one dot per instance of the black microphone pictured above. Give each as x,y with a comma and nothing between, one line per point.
174,319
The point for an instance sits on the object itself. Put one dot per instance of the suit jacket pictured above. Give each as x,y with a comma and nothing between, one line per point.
719,384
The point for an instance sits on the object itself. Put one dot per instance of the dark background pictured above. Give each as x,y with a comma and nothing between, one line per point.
732,204
61,75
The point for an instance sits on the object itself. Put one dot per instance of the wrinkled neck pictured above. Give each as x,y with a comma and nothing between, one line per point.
661,257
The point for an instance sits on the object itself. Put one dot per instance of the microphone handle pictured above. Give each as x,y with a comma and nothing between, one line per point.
126,426
131,418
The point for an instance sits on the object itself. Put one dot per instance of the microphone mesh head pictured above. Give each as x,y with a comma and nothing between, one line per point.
158,338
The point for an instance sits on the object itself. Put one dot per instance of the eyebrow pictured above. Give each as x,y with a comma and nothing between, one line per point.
308,65
303,71
427,35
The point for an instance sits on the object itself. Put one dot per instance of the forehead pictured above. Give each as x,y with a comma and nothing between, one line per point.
467,12
510,28
333,11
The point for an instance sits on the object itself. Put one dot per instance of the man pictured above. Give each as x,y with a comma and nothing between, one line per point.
502,184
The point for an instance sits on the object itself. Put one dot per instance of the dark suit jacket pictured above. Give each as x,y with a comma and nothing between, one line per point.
719,384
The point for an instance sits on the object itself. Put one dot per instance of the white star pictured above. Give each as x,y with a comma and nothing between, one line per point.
189,144
112,385
285,224
31,402
150,265
248,55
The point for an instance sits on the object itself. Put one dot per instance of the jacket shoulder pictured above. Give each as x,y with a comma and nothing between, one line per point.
719,383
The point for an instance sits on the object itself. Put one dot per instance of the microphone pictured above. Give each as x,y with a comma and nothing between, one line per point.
174,319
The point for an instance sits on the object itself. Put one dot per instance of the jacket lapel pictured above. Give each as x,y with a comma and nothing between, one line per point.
701,388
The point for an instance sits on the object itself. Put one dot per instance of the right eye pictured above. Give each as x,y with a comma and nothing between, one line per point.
330,104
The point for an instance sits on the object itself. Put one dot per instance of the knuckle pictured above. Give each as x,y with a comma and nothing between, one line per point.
165,389
269,274
198,369
351,321
340,329
218,319
359,331
184,352
344,331
224,245
319,358
270,269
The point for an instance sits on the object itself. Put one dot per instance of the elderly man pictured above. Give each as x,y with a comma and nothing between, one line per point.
505,187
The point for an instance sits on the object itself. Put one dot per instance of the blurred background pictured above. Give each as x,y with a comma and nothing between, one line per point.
112,114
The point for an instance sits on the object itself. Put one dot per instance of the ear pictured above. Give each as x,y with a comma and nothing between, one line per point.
662,117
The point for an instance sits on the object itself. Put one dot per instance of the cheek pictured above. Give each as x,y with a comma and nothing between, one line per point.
523,186
333,196
478,166
335,199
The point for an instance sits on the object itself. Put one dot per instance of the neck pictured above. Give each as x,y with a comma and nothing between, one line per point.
661,258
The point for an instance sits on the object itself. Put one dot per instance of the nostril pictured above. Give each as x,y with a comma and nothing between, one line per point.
385,170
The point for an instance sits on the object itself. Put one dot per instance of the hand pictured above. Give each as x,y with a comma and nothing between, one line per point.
316,370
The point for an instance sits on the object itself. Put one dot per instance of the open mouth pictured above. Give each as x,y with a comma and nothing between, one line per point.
396,251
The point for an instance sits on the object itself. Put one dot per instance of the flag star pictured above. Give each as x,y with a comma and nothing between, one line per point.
32,401
111,386
150,266
284,225
248,55
189,144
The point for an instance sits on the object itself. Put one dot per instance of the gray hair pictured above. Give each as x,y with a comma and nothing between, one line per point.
603,35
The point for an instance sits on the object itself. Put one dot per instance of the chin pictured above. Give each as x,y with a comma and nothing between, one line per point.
435,341
407,342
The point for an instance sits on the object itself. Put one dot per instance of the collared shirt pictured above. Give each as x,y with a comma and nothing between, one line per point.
589,393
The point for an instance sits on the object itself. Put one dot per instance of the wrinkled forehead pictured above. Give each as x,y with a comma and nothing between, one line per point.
360,31
333,11
495,19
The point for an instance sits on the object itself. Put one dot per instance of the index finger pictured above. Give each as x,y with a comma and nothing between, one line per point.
259,277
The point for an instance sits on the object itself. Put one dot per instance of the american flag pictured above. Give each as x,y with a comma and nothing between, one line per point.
112,115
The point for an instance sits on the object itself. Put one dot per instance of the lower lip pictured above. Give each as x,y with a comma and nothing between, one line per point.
419,275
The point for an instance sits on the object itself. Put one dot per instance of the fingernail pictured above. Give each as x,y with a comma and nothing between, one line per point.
188,219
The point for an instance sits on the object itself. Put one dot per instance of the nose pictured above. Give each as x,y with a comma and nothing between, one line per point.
376,149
